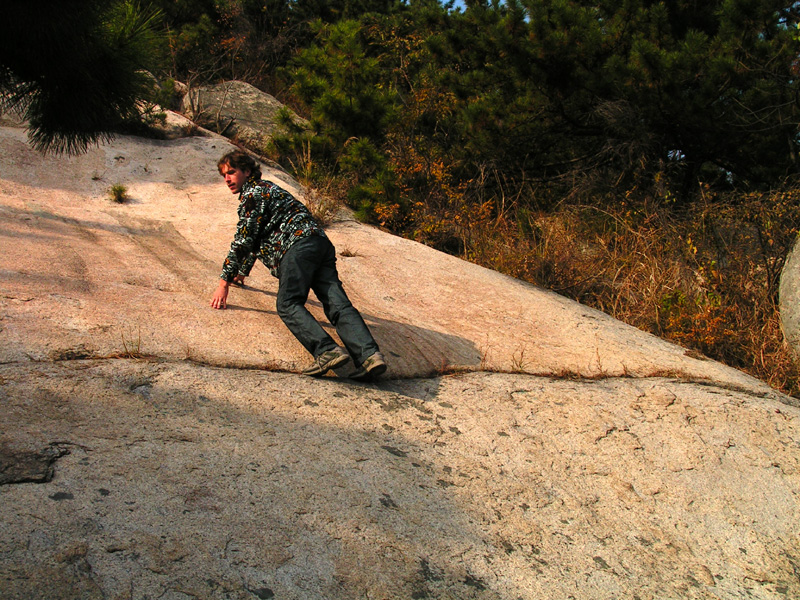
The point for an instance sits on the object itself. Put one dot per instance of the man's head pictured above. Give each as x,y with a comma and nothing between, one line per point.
236,167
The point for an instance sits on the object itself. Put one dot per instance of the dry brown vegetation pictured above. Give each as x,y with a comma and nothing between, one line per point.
705,276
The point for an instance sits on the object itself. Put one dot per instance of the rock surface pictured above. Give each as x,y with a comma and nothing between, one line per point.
236,110
520,446
789,294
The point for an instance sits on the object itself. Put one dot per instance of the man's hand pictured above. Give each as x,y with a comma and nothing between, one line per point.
220,299
238,280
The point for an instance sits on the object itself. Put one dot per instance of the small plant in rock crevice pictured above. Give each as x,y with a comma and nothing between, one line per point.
118,193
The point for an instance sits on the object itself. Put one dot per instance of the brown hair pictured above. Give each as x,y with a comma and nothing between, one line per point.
242,161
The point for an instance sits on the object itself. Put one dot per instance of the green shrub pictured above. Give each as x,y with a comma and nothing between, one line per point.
118,193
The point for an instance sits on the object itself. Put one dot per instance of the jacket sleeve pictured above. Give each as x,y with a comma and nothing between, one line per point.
247,265
249,231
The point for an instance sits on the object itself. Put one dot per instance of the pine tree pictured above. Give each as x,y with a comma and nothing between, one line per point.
75,69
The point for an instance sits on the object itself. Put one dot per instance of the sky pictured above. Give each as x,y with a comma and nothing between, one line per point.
458,4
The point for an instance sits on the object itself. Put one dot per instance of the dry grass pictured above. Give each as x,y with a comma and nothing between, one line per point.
705,278
348,252
323,204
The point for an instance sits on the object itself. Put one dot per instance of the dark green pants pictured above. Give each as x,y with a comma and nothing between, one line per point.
310,264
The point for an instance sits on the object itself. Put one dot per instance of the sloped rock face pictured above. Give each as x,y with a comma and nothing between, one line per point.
154,447
88,278
236,110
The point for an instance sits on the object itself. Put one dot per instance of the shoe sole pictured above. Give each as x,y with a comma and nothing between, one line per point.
336,362
375,371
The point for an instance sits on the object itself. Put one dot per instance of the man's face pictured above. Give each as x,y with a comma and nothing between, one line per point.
234,178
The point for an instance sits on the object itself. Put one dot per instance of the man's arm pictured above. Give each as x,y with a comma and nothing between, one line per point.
220,299
245,241
244,269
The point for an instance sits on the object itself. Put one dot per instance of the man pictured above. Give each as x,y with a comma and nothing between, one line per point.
280,231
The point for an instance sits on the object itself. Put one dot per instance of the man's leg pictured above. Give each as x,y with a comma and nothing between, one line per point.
298,268
338,309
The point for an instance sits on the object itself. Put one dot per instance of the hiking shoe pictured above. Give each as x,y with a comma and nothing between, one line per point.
327,361
373,366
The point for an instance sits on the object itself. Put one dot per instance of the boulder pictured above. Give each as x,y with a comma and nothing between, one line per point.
789,299
236,110
174,126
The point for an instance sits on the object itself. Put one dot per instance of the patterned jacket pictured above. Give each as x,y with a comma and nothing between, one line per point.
270,221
